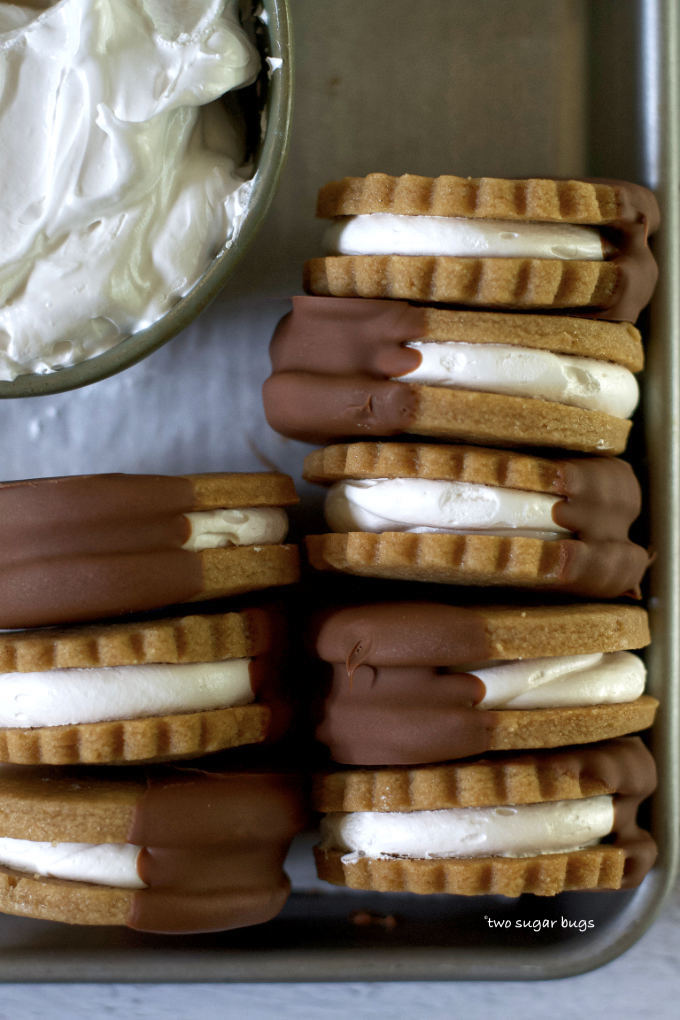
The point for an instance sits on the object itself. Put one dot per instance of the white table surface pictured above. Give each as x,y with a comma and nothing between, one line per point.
643,983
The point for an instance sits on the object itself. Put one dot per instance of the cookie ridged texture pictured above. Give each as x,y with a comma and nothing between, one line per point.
424,460
567,201
53,899
523,779
521,283
127,741
441,558
619,342
600,867
474,416
243,568
207,638
247,489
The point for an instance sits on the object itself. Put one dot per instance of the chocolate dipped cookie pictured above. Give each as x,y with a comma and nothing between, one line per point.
488,242
469,515
540,823
407,683
346,367
170,850
85,547
158,689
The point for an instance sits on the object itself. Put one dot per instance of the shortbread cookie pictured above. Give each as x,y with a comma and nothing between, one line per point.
468,515
537,823
346,367
519,244
164,850
414,682
129,692
85,547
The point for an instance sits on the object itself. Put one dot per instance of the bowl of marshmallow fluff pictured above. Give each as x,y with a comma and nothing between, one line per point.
142,143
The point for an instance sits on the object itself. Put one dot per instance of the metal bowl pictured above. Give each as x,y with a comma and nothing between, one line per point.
270,95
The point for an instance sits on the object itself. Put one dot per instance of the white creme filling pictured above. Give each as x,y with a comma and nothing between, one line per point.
425,505
562,681
120,183
62,697
112,864
216,529
390,234
505,831
524,372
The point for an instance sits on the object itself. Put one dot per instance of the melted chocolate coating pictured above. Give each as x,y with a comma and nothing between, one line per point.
78,548
214,846
638,217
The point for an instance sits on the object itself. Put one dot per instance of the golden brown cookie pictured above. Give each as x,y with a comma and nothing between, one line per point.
622,769
597,501
85,547
143,691
343,367
403,683
183,831
617,284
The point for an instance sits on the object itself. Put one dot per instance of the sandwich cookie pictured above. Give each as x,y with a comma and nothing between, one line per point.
85,547
169,850
417,682
346,367
131,692
517,244
469,515
538,823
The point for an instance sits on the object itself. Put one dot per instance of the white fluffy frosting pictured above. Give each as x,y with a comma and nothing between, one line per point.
423,504
391,234
526,372
562,681
117,190
112,864
215,529
61,697
507,831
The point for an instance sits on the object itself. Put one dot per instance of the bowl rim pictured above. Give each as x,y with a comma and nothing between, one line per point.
270,161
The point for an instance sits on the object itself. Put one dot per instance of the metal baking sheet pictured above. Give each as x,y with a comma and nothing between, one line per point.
478,87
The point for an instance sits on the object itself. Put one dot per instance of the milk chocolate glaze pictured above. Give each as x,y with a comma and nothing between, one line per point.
214,846
82,547
626,768
638,217
601,500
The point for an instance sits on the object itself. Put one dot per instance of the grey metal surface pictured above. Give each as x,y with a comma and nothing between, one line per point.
464,86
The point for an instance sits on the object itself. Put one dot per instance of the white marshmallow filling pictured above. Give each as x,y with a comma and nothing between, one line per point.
524,830
113,864
430,505
562,681
524,372
394,234
217,529
61,697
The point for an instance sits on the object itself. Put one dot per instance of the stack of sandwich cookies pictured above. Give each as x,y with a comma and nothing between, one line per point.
345,367
487,242
166,850
540,823
468,515
206,844
159,689
89,547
